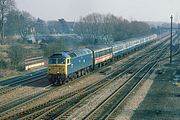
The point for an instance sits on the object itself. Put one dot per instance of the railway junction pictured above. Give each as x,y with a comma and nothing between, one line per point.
140,85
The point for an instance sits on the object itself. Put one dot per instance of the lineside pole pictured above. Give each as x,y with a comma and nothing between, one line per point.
171,41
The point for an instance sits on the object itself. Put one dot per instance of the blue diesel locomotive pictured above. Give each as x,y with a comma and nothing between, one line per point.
69,65
72,64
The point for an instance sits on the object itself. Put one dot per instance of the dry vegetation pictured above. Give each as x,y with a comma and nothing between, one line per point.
6,67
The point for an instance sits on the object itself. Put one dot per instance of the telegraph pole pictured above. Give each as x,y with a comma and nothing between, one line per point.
178,28
171,41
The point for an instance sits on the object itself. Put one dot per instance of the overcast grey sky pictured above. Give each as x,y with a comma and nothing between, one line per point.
144,10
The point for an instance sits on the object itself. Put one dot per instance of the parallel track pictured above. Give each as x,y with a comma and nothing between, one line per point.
119,96
54,102
20,78
107,110
83,102
67,99
12,84
52,112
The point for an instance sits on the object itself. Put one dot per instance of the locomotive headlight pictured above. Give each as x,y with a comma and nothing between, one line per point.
57,72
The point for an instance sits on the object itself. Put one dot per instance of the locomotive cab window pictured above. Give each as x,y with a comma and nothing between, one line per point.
61,61
52,61
56,61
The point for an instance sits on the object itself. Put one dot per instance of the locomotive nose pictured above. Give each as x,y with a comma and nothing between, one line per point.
60,69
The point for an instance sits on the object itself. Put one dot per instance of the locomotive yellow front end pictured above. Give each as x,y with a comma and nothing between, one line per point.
57,69
54,69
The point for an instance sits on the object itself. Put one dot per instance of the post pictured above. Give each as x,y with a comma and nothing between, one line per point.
3,31
171,41
178,28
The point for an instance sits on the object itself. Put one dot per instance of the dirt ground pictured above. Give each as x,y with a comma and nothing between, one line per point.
159,96
162,101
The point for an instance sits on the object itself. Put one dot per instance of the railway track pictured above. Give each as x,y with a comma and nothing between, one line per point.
85,101
68,113
53,104
7,106
109,105
12,84
58,109
108,108
8,110
20,78
54,110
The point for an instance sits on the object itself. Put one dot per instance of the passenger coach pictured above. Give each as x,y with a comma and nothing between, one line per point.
101,55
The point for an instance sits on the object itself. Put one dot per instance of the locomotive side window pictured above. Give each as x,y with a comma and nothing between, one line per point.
68,61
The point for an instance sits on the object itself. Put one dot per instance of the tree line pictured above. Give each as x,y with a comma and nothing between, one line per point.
93,28
20,23
99,28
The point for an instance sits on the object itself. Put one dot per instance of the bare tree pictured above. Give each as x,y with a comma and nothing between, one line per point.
25,25
96,28
104,29
107,28
41,27
89,27
5,7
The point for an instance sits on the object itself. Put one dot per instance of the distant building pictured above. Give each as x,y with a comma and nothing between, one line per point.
52,38
31,39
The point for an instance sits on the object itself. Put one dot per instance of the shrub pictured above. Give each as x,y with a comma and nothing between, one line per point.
16,54
20,67
3,64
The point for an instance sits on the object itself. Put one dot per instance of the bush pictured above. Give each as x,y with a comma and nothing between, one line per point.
3,64
20,67
16,54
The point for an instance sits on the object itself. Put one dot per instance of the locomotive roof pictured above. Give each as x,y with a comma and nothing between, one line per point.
72,53
79,52
59,55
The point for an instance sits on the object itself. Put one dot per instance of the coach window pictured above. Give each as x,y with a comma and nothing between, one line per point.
108,51
100,54
95,55
105,52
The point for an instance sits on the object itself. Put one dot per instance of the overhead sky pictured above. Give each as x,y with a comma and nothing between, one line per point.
143,10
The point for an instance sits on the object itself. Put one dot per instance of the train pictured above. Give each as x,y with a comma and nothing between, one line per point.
69,65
